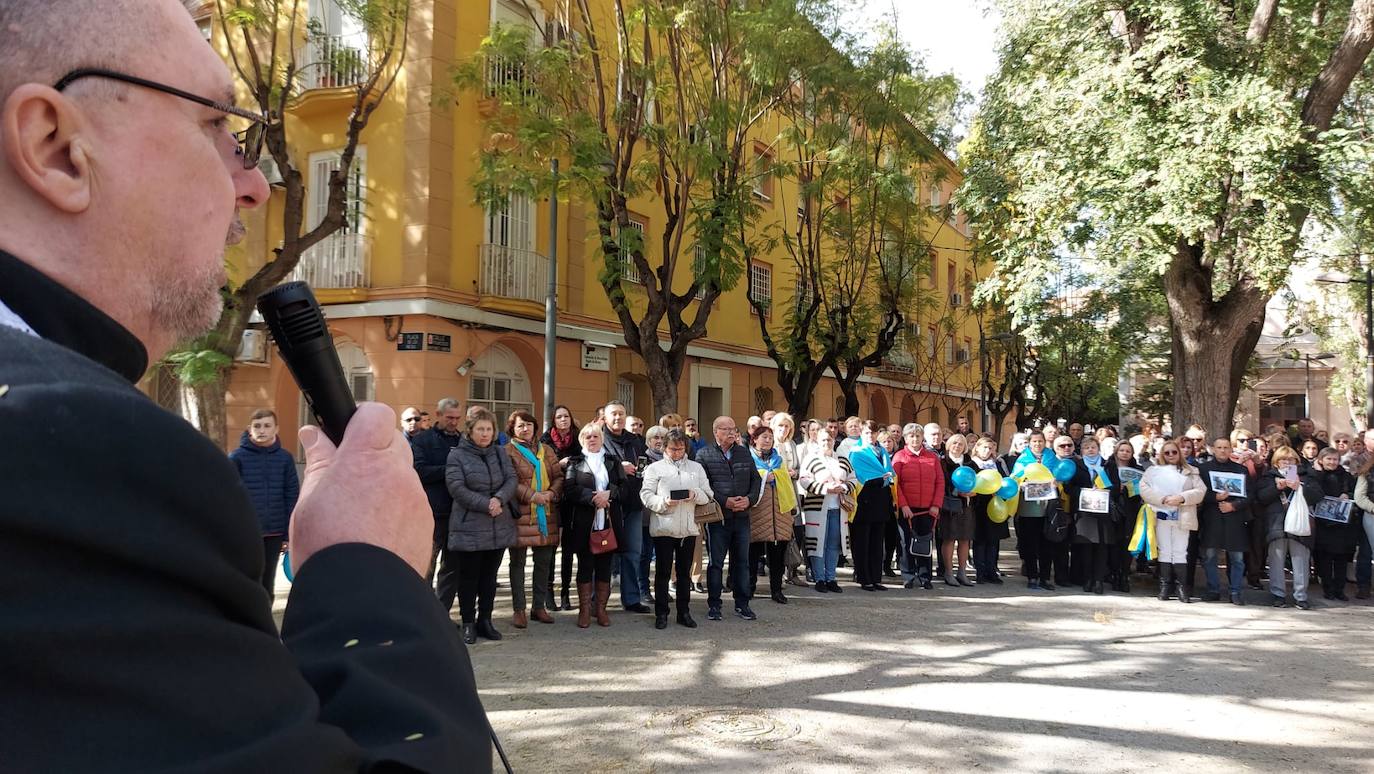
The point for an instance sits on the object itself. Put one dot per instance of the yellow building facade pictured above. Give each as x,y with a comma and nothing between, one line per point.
429,295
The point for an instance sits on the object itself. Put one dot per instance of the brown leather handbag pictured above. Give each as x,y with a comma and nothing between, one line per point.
603,540
708,513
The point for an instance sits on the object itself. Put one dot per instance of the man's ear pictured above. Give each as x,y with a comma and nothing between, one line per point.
42,140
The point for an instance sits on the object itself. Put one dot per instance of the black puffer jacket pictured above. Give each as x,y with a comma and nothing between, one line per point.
1272,505
269,475
629,448
430,452
736,477
475,475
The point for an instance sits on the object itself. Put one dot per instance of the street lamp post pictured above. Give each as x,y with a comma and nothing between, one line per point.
551,303
1368,283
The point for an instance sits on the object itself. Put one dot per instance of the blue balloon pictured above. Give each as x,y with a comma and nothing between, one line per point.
1009,488
964,479
1064,470
286,566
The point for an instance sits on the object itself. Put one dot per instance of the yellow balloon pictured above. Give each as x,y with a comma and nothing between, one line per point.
1036,472
1013,503
989,481
997,510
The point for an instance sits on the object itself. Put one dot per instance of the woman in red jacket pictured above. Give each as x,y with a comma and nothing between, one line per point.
920,490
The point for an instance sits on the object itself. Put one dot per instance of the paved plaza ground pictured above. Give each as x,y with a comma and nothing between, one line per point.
995,678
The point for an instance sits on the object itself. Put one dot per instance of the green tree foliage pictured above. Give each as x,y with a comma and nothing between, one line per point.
1184,144
663,98
857,237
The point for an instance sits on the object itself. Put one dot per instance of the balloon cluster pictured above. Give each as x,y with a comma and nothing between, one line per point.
1006,491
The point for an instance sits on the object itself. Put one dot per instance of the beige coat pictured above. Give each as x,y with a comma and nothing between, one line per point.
1161,481
660,479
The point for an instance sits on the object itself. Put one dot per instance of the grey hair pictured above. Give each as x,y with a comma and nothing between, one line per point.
657,431
675,437
40,40
445,404
911,427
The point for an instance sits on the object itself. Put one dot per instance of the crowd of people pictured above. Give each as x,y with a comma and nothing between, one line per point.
919,504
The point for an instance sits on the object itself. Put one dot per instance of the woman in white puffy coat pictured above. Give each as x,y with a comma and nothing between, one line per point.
1173,488
673,488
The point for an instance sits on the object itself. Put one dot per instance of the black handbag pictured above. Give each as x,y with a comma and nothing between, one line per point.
1057,524
921,546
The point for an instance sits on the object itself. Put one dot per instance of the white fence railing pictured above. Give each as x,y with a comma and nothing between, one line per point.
328,61
511,273
340,261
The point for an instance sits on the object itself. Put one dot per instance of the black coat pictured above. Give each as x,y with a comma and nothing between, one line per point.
430,450
1333,537
136,635
629,448
985,528
1224,531
1090,527
1125,507
1273,503
579,486
736,477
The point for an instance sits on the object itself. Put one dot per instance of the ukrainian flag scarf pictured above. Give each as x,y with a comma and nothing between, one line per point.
787,495
1143,541
541,482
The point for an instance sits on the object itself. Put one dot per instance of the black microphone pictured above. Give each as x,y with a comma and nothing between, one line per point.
297,324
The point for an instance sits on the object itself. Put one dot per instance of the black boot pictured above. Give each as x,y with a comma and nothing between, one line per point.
567,603
485,629
1166,580
469,634
1182,588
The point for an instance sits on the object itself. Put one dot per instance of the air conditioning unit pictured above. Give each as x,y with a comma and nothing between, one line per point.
252,347
956,299
268,167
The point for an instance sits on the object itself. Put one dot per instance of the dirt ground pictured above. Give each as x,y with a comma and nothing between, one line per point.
996,678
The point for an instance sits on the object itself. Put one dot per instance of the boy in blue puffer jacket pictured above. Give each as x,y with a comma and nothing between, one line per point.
269,475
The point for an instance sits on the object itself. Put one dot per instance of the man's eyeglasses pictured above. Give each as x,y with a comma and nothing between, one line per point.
249,139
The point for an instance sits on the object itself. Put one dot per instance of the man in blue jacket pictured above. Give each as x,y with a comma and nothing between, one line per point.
269,475
737,485
430,452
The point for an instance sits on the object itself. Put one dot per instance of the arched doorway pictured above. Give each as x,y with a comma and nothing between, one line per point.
498,383
878,403
908,409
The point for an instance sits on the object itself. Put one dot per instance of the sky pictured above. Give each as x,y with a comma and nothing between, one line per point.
958,36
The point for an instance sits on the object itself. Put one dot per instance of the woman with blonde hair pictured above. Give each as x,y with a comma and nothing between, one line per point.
1274,491
955,529
1174,490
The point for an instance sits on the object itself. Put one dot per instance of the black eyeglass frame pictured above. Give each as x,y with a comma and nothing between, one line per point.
249,154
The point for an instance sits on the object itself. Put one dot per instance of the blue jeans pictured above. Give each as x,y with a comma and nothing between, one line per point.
1363,565
630,590
1235,561
646,558
823,566
731,535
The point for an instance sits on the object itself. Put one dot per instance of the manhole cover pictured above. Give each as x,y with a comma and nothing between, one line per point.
741,725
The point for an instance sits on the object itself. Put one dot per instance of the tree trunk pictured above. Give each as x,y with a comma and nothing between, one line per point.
203,406
1212,342
663,370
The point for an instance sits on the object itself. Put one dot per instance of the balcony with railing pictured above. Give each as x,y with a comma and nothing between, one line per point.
899,359
339,261
507,272
329,61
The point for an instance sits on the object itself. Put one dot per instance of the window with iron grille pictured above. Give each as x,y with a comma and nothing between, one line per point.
630,270
761,285
763,400
625,393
